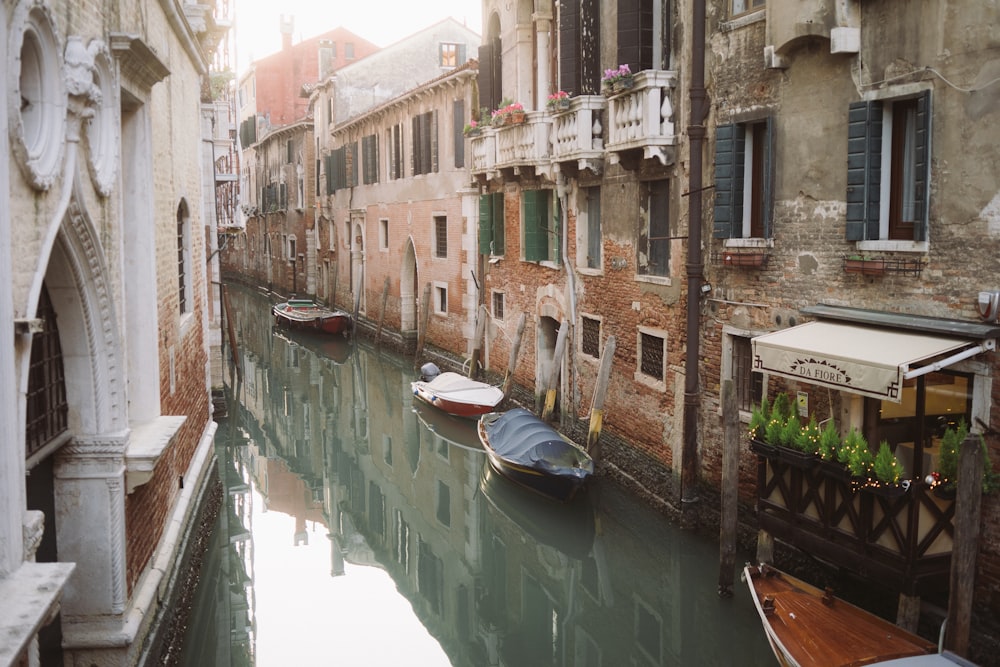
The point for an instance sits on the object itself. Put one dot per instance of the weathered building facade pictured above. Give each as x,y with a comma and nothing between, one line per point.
855,176
581,218
393,205
104,401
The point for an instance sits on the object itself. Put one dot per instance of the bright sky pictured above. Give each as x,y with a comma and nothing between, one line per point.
382,22
306,617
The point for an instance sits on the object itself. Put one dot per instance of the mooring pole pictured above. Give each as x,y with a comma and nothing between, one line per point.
730,488
508,380
600,392
968,506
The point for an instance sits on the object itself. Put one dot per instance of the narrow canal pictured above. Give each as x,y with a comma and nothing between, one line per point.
357,529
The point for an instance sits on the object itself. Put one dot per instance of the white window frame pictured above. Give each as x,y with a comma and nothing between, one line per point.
639,376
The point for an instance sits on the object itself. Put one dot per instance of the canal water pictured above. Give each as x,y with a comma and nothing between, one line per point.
358,529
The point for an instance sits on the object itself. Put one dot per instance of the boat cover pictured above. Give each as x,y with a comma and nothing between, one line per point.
521,437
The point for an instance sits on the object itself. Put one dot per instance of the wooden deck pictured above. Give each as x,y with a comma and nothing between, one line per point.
808,626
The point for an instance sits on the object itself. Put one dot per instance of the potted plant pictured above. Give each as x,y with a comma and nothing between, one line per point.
887,471
558,101
754,259
508,113
472,129
944,480
617,80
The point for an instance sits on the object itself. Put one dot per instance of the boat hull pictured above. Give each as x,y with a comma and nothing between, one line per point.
457,395
305,315
554,480
807,626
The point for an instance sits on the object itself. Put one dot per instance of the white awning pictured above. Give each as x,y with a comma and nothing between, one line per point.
862,360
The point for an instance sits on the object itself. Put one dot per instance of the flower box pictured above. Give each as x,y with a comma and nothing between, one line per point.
866,266
753,260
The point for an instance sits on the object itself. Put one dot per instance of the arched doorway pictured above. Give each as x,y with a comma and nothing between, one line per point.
546,336
358,262
408,290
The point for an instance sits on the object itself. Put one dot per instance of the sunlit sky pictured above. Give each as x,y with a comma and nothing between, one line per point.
306,617
382,22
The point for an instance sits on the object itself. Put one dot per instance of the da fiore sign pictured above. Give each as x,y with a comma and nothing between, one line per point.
861,360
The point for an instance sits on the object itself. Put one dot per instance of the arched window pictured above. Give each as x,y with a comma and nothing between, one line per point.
183,258
47,408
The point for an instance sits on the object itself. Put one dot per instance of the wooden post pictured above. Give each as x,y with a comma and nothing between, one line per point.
765,547
381,317
333,292
966,544
425,306
730,487
553,382
357,304
515,347
600,391
477,340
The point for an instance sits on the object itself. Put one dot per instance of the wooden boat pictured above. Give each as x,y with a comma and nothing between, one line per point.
809,626
458,395
526,450
307,314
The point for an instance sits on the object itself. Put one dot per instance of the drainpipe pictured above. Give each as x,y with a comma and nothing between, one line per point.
696,136
563,192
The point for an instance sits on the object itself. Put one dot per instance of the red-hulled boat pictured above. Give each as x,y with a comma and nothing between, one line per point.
458,395
307,314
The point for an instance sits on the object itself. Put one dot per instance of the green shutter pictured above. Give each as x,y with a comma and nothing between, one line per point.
725,167
922,167
535,213
499,223
485,223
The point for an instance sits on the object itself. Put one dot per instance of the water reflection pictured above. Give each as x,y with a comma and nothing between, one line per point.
361,528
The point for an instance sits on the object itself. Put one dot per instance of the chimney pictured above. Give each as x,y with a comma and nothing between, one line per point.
287,26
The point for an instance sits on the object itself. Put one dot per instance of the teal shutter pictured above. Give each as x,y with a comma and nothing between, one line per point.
485,223
922,167
864,159
535,243
725,167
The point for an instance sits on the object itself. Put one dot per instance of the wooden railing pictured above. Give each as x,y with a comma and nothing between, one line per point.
901,537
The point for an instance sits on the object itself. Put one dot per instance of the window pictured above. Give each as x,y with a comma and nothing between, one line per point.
351,157
498,305
383,234
654,239
648,632
369,156
490,77
425,157
47,407
888,169
183,259
440,236
451,55
540,226
291,248
440,298
652,357
401,540
491,224
594,242
740,6
349,51
337,169
590,337
744,180
580,47
643,41
395,141
443,504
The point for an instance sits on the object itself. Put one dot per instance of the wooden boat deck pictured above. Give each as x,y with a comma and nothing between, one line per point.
809,626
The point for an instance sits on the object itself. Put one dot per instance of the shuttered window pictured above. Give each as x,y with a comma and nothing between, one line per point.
893,205
369,156
642,35
458,124
424,150
491,224
744,180
489,78
654,239
540,226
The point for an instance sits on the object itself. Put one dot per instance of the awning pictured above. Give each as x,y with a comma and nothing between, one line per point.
862,360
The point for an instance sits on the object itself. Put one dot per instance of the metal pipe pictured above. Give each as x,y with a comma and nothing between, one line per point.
696,135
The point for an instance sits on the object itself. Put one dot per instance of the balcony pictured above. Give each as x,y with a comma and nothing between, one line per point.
514,147
642,118
577,134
